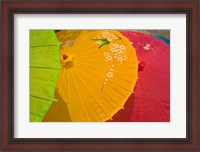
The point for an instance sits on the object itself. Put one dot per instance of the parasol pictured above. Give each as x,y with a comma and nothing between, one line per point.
167,41
100,69
152,92
44,69
151,100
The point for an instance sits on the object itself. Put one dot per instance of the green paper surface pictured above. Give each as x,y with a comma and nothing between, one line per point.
44,69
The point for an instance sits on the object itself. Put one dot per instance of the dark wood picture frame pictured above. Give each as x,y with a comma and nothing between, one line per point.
11,7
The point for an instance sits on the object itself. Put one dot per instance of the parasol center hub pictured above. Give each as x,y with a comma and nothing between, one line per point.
141,66
65,56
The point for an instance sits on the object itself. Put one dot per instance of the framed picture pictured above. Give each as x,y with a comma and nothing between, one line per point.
83,75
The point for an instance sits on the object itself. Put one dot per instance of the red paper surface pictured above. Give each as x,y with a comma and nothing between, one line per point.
151,100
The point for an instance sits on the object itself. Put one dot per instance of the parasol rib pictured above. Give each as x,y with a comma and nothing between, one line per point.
78,94
92,93
111,98
45,67
86,52
93,65
109,80
95,83
82,57
50,44
68,84
44,98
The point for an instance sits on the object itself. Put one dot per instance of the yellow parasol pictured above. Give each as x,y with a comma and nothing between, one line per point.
100,69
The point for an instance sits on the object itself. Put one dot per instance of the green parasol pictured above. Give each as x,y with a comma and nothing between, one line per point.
44,69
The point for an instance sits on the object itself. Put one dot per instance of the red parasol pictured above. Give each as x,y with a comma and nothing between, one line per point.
151,100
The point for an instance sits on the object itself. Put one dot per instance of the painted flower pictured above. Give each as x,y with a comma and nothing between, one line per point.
147,47
120,58
109,74
125,57
98,42
122,47
109,36
109,57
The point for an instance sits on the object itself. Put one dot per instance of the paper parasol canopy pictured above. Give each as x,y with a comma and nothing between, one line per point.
44,69
100,69
152,91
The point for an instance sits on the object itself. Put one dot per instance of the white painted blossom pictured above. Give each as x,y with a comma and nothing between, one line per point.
122,47
109,57
147,47
125,57
98,42
120,58
109,74
116,53
109,36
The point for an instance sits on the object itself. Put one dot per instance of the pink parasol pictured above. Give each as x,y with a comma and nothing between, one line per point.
151,100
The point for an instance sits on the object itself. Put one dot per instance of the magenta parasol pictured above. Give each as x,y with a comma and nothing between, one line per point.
151,100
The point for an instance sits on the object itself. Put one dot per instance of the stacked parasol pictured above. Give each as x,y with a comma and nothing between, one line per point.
98,76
